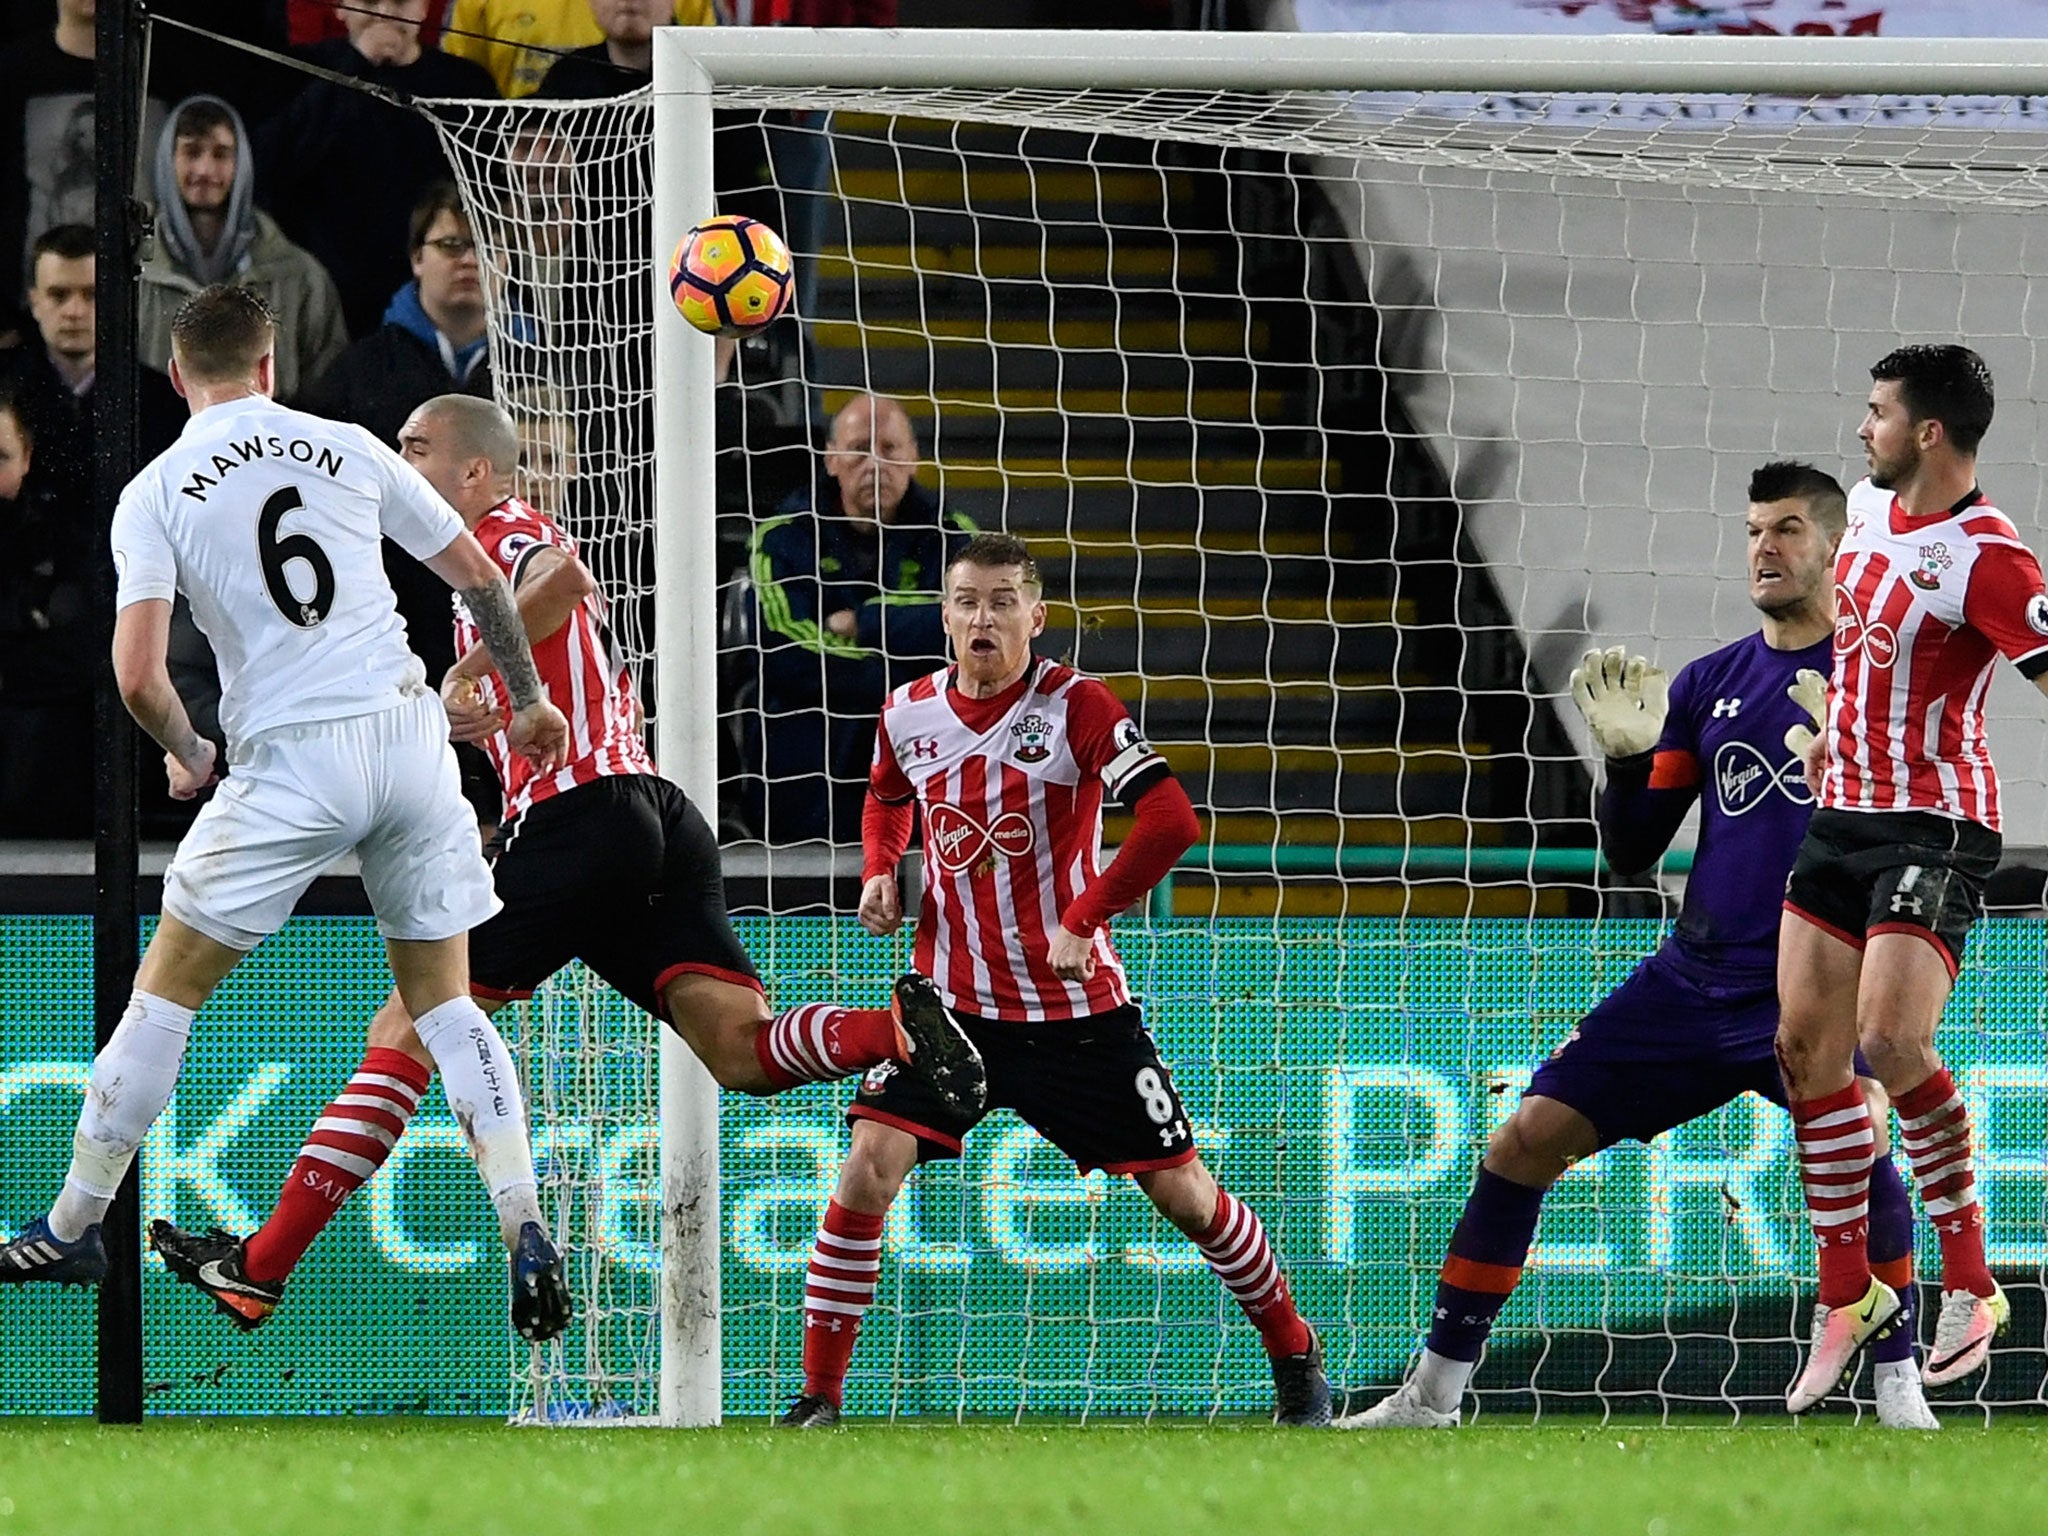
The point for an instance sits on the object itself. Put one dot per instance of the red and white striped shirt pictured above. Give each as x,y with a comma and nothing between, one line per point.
1011,792
576,666
1923,608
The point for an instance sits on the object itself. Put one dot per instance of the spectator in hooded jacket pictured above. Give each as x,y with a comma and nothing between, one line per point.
209,230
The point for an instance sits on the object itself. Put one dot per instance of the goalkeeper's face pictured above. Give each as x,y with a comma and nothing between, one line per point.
1791,558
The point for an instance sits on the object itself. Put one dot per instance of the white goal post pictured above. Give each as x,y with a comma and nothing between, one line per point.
1284,92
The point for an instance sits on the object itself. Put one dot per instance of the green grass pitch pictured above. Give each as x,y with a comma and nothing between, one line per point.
365,1477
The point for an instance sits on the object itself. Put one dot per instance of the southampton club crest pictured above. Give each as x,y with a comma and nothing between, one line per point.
1033,736
1934,559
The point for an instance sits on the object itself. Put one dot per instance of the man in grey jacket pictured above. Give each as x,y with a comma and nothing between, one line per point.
209,230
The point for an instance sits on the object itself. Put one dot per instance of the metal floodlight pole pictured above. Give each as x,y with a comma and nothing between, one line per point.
119,81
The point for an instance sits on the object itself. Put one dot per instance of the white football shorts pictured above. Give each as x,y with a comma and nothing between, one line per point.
384,785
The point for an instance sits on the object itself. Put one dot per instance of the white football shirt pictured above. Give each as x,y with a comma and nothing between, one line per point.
269,521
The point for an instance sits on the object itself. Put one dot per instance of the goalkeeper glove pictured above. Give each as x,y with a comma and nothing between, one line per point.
1809,691
1623,699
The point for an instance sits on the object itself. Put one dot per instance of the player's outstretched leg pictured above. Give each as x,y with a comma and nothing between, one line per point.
749,1050
349,1141
131,1082
1901,1401
1233,1240
823,1042
940,1051
215,1264
846,1264
1934,1125
1541,1139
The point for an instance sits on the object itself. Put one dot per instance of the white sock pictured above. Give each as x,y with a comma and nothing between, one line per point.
1893,1370
483,1091
131,1083
1440,1382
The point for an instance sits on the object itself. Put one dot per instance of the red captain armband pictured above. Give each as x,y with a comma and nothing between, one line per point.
1674,770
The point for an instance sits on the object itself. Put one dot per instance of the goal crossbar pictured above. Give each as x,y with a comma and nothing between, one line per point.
693,58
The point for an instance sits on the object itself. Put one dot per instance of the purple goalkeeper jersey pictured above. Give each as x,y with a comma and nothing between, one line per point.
1724,745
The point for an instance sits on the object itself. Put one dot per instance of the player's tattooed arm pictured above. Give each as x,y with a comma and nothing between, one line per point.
536,730
484,591
496,616
550,586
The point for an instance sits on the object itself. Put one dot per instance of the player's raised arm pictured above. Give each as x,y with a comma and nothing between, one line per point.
1653,775
552,585
537,729
549,586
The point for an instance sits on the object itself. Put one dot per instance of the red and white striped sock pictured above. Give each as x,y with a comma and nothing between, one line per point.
349,1143
823,1041
1934,1125
1235,1246
846,1264
1835,1151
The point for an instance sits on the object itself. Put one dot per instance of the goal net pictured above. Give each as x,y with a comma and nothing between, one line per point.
1347,389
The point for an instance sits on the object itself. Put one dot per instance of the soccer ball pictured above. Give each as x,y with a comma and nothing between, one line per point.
730,275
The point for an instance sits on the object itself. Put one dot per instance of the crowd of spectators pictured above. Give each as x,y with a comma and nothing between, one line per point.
47,381
340,209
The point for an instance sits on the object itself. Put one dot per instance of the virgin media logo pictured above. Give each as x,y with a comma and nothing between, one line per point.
1744,778
1879,641
959,842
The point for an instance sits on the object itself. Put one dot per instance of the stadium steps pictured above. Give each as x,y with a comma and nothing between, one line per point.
1082,351
1288,706
1122,265
1132,511
1086,372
